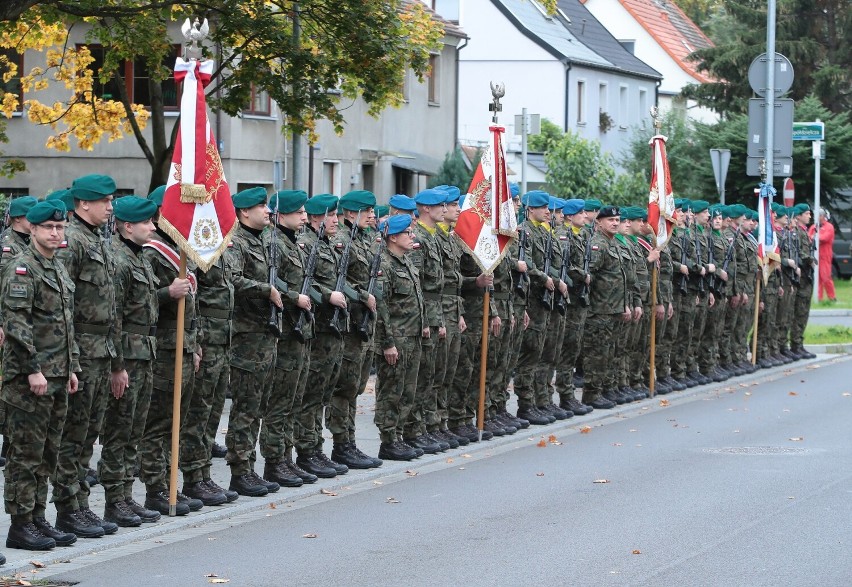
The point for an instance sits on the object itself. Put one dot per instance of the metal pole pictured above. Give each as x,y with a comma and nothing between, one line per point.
770,94
817,147
297,138
524,128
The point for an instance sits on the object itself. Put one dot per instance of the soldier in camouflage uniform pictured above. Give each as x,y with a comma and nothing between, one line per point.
88,259
789,278
747,276
647,257
136,318
685,284
770,292
40,363
708,361
733,216
399,332
804,293
700,229
253,346
616,387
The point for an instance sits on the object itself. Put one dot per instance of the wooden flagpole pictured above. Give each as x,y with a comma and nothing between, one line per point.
652,378
175,450
754,328
483,359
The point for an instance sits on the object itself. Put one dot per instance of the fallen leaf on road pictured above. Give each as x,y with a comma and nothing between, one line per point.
551,438
328,492
218,581
539,474
541,443
743,384
391,500
785,410
585,429
461,468
797,438
812,367
272,506
736,431
211,575
748,393
616,444
633,430
450,460
847,394
210,538
792,393
601,481
664,403
223,430
309,535
791,497
38,564
465,456
411,473
637,552
377,482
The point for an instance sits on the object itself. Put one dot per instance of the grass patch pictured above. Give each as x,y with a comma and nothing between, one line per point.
821,334
843,289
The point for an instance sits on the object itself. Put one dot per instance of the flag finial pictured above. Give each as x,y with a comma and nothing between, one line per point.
498,90
194,33
658,121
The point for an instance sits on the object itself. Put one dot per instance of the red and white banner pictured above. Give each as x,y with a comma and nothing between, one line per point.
661,205
488,223
767,245
197,209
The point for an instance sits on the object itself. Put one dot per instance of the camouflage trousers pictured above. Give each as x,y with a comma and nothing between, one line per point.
514,344
446,362
119,437
551,356
638,363
697,347
82,427
801,310
282,416
726,338
683,323
217,376
745,321
617,374
324,371
396,387
662,367
766,343
33,426
350,383
572,343
598,347
198,430
784,316
461,400
252,364
709,358
530,373
496,379
424,414
155,445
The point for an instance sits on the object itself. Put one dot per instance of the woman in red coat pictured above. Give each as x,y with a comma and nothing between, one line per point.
826,253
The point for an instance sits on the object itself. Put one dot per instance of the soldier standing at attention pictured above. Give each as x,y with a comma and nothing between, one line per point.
88,259
399,331
253,344
136,318
804,293
40,362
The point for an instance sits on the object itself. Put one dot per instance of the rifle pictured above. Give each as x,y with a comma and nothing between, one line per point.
584,288
711,259
729,254
563,275
522,252
275,321
796,279
307,282
5,223
375,268
547,298
342,269
108,229
684,279
698,253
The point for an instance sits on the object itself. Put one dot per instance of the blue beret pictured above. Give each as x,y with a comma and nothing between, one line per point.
461,200
396,224
20,206
133,209
286,201
47,210
402,202
573,206
157,195
431,197
592,205
453,194
249,198
536,199
92,187
320,204
608,212
514,189
357,200
555,203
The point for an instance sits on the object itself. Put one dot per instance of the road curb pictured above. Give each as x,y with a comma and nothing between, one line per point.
830,349
827,313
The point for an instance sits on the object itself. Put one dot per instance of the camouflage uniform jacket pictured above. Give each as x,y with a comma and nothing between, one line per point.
325,277
681,241
89,262
702,259
731,235
629,262
215,304
521,293
13,243
38,310
248,262
136,304
720,248
642,268
608,293
539,235
402,313
806,254
787,250
358,271
292,263
452,305
577,251
664,279
426,257
501,298
747,264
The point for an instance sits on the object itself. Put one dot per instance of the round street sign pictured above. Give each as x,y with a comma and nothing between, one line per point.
783,75
789,192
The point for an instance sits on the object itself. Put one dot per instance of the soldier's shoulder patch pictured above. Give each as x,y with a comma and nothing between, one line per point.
379,273
20,270
17,290
416,245
563,238
230,244
7,249
301,245
595,247
339,245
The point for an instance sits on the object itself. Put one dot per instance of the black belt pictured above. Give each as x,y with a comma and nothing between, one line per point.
172,324
501,295
214,313
139,329
92,329
431,296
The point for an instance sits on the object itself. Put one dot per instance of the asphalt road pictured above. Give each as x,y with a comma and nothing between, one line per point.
749,484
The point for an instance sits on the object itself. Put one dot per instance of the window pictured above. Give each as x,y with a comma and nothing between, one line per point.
433,79
14,192
603,106
643,107
259,103
403,181
581,102
331,179
13,86
622,107
368,172
136,79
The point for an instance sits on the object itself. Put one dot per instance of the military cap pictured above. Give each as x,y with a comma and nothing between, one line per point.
249,198
396,224
430,197
402,202
698,206
462,198
608,212
643,214
20,206
63,196
737,210
453,194
133,209
555,203
380,210
320,204
716,210
776,207
514,189
157,195
684,204
631,213
286,201
47,210
357,200
573,206
592,205
801,208
536,199
92,187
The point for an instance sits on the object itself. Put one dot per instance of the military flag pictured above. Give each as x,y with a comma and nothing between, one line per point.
661,205
767,245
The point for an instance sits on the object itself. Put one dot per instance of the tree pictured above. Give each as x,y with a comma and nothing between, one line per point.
577,168
306,74
454,171
550,135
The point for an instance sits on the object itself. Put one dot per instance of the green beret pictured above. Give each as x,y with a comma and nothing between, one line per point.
357,200
382,211
592,205
47,210
157,195
285,201
737,210
320,204
775,207
716,210
20,206
92,187
64,196
249,198
133,209
699,206
801,208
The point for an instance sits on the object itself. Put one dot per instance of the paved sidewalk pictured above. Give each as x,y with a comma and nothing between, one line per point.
170,529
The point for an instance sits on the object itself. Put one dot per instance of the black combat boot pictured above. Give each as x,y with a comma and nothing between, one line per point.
193,503
61,538
159,502
342,453
313,465
147,516
281,474
77,523
95,520
533,416
217,451
306,477
245,485
230,496
27,536
271,486
200,491
396,451
120,513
